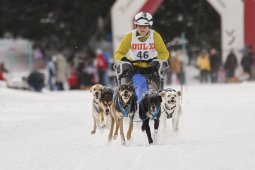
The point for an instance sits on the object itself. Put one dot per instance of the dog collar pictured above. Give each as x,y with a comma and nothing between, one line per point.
169,115
96,106
155,114
125,112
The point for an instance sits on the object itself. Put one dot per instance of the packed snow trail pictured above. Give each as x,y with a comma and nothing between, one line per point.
51,130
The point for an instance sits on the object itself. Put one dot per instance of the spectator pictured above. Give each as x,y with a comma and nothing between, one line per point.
215,63
101,66
3,70
230,64
247,62
51,67
221,75
72,77
80,70
176,69
203,64
35,81
89,74
61,71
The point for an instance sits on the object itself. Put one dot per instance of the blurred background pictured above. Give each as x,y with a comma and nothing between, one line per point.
63,45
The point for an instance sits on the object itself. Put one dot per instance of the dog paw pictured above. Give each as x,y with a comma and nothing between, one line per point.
101,130
123,142
93,132
176,133
103,126
129,142
142,128
151,142
155,138
108,143
115,137
128,136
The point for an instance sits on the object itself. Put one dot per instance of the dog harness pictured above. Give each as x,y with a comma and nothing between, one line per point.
171,111
125,112
155,114
96,106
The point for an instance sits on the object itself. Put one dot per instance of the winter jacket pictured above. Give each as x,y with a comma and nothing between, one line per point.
125,45
203,63
61,69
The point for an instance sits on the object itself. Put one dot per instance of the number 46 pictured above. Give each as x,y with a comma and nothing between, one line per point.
143,55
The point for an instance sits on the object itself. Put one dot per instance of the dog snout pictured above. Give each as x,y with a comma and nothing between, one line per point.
125,92
96,94
170,101
107,110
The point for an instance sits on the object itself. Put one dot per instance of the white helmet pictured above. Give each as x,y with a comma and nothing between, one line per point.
143,18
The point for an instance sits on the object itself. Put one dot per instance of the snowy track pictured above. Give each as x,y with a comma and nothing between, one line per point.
51,131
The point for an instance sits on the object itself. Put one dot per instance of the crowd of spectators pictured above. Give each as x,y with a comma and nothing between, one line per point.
95,66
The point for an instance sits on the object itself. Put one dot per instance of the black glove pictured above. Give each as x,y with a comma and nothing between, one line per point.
154,64
125,59
150,60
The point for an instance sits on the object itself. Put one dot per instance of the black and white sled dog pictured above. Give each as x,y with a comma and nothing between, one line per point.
149,109
124,105
171,108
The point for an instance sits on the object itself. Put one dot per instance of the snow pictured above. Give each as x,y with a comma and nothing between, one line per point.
51,131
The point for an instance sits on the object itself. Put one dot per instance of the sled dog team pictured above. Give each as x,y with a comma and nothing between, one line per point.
111,106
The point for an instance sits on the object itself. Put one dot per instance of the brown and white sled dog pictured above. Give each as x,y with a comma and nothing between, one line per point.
97,110
170,108
123,105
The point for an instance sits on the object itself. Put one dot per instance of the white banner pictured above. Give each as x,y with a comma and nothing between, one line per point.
232,25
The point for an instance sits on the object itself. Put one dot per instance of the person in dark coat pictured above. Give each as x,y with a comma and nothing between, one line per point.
230,64
247,62
215,62
2,71
35,81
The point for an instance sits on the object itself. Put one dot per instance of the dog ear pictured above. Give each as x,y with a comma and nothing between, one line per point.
90,89
102,87
102,96
162,94
179,93
145,95
160,99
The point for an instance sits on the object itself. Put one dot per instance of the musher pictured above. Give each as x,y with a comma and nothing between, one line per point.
144,49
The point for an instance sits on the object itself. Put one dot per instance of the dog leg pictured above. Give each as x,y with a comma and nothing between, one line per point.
122,133
94,127
130,128
102,121
174,126
148,130
108,121
111,129
156,136
177,127
116,129
142,127
156,124
162,122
